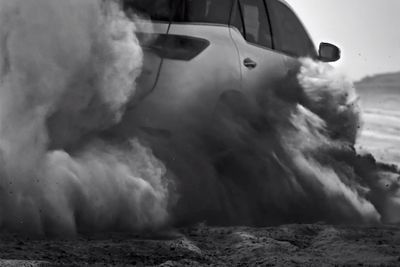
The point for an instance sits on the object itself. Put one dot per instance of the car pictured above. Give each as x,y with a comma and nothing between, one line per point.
212,71
201,55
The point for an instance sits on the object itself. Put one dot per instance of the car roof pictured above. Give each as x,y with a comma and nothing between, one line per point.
285,3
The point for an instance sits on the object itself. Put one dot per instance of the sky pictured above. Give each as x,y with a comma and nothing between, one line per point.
367,31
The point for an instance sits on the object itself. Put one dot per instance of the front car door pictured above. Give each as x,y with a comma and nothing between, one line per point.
290,37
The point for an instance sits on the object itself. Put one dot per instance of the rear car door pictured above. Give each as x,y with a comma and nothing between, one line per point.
260,65
199,63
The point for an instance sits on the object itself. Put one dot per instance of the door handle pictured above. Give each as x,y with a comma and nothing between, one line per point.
249,63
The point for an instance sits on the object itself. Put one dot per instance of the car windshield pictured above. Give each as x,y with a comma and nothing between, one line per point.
203,11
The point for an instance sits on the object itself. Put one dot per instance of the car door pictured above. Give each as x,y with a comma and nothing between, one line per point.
260,65
290,37
198,65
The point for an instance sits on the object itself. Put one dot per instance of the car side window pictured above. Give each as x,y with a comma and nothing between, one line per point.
190,11
208,11
256,23
289,34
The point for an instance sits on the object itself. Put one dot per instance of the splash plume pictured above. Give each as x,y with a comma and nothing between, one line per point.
67,70
288,159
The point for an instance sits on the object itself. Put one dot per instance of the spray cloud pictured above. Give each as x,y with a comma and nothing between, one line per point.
290,159
67,70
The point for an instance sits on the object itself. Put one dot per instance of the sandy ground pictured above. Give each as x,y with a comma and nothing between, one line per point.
288,245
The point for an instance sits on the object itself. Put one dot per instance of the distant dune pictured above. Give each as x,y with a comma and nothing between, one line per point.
380,91
380,98
385,81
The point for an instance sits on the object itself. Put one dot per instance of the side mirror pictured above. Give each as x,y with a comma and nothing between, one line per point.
328,52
